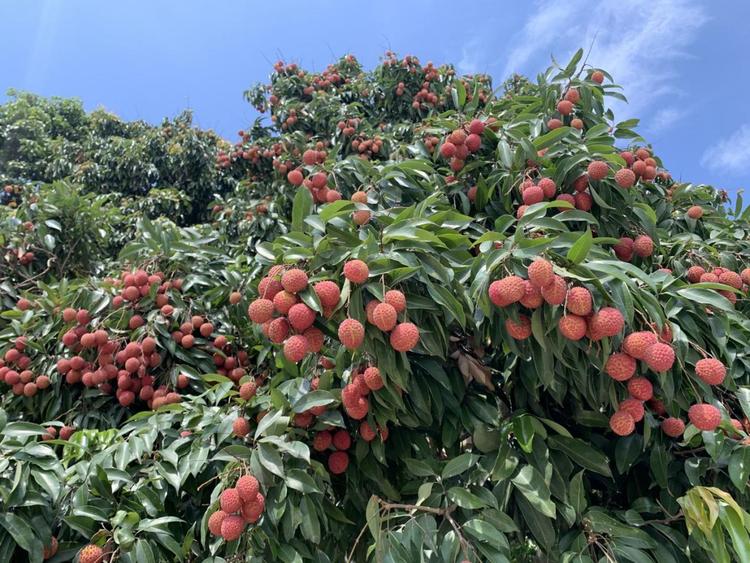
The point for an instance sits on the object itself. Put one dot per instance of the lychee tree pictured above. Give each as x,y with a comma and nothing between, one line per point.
439,326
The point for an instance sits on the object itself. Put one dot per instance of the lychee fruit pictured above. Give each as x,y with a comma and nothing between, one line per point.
636,343
240,427
624,249
607,321
532,195
232,527
695,212
597,76
395,299
643,246
598,170
247,487
373,379
295,348
622,423
565,107
356,271
625,178
640,388
283,301
230,500
711,371
659,357
548,187
247,390
342,440
704,417
673,427
555,292
351,334
540,273
694,274
294,280
404,337
315,339
384,317
328,293
278,330
507,290
91,554
732,279
366,431
572,95
520,330
322,441
260,310
579,301
634,407
620,366
338,462
301,317
572,327
533,298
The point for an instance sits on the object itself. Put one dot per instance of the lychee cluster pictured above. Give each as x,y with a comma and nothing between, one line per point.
14,370
566,111
699,274
404,336
458,145
639,164
354,394
642,246
240,505
544,286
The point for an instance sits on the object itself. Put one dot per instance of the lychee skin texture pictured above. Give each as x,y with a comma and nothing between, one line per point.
640,388
540,273
622,423
230,500
643,246
214,522
520,330
240,427
507,290
404,337
315,339
532,195
624,249
572,327
283,301
572,95
351,334
322,441
232,527
704,417
607,321
637,343
395,299
597,76
625,178
373,379
295,348
328,293
548,187
278,330
555,292
598,170
248,488
91,554
301,317
673,427
711,371
294,280
659,357
634,407
694,274
338,462
260,310
533,298
366,431
579,301
342,440
695,212
732,279
620,366
356,271
565,107
384,317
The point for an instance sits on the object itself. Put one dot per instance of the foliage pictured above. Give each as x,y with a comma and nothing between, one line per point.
503,432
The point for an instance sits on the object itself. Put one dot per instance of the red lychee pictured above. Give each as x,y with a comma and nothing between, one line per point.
232,527
636,343
598,170
532,195
548,187
240,427
520,330
555,292
295,348
301,317
711,371
283,301
659,357
351,334
673,427
704,417
620,366
342,440
384,317
625,178
643,246
695,212
91,554
622,423
373,379
507,290
572,327
634,407
640,388
322,441
579,301
565,107
404,337
540,273
294,280
230,500
356,271
395,299
328,293
607,321
248,488
338,462
260,310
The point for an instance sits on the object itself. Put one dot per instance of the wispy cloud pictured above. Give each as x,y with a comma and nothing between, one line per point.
638,42
665,118
730,154
470,57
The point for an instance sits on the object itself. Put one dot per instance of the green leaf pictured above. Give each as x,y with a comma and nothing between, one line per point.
459,465
739,467
582,453
301,208
531,485
465,499
270,459
581,247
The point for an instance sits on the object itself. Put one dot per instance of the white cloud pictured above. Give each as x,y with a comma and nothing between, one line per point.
469,63
665,118
731,154
637,42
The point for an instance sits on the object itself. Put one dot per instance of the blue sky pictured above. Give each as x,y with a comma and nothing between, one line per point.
682,62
